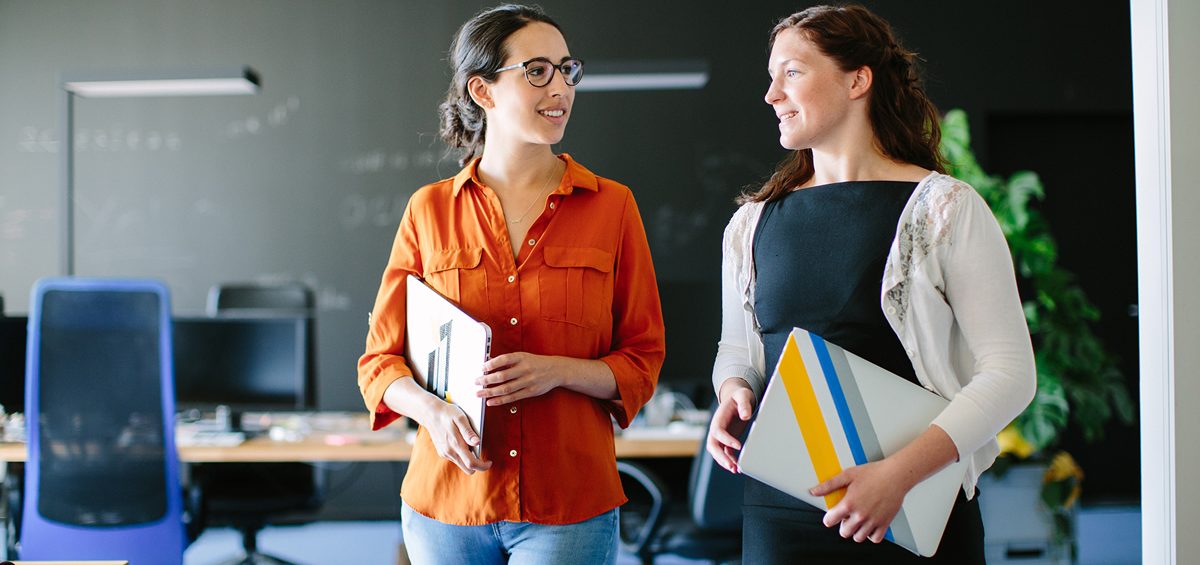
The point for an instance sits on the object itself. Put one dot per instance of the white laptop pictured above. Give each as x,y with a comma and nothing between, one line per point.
826,410
446,349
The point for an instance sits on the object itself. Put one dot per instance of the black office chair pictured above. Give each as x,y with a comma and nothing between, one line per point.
712,529
249,496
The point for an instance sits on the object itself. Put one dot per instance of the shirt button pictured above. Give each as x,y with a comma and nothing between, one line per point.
512,453
890,309
513,321
909,351
551,205
512,278
512,410
532,241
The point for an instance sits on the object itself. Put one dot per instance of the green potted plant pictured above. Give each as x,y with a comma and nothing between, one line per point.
1078,381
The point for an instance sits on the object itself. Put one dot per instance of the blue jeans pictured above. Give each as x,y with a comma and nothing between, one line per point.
590,542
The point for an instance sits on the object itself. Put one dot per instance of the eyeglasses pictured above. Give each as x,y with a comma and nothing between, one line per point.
539,70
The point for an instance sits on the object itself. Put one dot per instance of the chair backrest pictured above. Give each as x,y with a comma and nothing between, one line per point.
102,478
714,494
248,299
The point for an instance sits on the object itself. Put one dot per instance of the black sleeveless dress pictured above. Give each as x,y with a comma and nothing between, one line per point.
819,255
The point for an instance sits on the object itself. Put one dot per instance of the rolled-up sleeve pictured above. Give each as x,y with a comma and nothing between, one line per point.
638,344
383,362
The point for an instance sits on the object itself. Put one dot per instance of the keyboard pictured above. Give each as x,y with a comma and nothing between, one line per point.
188,436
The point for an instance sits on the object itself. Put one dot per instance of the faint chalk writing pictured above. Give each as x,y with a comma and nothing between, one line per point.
719,176
278,116
100,140
383,160
378,211
13,223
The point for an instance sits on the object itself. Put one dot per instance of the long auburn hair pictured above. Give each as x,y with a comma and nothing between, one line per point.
905,122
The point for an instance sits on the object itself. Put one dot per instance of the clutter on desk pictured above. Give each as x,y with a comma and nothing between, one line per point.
668,414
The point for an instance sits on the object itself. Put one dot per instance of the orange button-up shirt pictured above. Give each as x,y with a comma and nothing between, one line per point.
581,286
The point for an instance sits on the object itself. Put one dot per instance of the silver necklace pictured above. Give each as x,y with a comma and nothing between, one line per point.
539,196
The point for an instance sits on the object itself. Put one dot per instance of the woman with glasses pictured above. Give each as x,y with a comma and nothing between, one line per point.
860,238
554,258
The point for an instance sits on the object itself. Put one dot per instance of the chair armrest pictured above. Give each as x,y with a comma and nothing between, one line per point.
638,542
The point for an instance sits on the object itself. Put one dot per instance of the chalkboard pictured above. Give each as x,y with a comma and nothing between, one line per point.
308,179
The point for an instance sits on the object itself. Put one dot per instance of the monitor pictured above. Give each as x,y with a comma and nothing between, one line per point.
12,363
260,363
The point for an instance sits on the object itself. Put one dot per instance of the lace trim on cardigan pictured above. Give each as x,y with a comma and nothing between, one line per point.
738,245
928,226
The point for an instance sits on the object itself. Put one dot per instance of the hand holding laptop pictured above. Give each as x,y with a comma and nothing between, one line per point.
874,492
872,498
446,424
452,436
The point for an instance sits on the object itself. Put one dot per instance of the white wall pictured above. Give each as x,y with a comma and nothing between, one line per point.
1167,139
1184,42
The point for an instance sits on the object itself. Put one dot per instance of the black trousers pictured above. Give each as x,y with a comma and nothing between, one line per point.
777,528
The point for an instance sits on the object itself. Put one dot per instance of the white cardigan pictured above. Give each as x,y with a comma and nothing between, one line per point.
950,295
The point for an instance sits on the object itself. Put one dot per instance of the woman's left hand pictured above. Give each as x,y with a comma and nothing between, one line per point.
874,492
513,376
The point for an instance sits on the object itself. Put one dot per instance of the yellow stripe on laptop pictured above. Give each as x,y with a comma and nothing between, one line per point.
808,416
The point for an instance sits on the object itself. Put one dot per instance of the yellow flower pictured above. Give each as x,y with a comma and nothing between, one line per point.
1012,442
1063,468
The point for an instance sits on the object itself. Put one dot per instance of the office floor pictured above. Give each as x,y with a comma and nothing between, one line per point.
1109,535
361,543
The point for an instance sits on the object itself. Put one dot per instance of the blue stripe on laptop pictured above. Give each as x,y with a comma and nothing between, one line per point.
839,399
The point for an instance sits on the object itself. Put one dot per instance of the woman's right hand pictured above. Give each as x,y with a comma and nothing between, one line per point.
453,437
729,421
446,424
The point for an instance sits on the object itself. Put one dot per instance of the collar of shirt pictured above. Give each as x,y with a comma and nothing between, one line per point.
577,176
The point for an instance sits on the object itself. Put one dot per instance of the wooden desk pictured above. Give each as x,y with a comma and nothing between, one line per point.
320,446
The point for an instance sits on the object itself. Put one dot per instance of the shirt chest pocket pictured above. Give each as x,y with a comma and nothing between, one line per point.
576,286
459,276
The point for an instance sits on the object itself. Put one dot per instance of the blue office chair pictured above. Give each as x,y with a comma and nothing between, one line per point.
102,478
712,530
